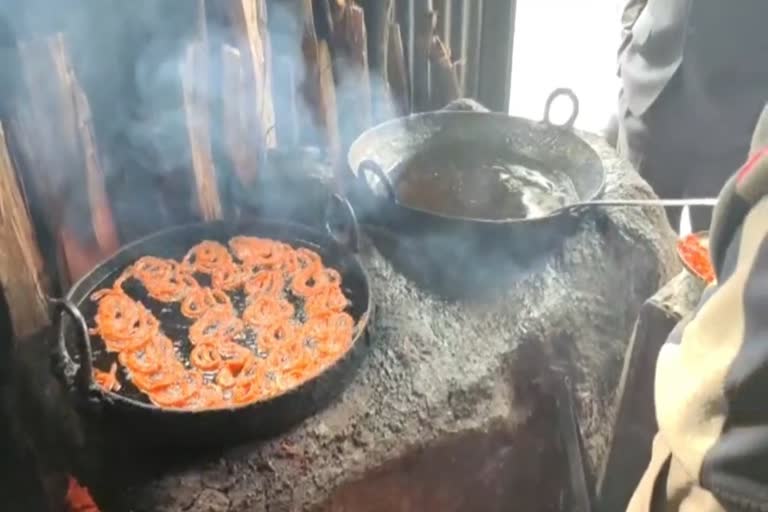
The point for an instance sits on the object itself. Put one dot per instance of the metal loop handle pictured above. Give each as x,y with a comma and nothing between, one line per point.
84,374
367,166
568,93
351,238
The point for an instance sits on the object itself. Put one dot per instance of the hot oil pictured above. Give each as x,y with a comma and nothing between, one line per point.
473,182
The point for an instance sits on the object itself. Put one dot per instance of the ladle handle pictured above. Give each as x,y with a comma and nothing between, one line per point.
351,237
84,375
369,166
568,93
709,201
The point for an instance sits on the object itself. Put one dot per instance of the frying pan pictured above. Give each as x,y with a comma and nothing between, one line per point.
381,156
76,352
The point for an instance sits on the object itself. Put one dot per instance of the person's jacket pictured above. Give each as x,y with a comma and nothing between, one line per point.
713,52
711,386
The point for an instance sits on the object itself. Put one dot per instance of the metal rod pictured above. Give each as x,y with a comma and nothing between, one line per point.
710,201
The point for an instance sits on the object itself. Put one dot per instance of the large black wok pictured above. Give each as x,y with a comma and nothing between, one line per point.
383,157
438,243
129,412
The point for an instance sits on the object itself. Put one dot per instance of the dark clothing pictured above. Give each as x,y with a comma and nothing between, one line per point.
695,77
711,451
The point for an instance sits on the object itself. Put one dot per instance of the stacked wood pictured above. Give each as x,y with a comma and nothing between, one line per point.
194,80
57,143
22,276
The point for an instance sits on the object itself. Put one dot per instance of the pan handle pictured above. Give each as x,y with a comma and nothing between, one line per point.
568,93
367,166
84,376
351,229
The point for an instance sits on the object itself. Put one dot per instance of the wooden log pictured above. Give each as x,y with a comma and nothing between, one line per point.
21,266
249,18
444,84
397,70
194,80
67,171
243,141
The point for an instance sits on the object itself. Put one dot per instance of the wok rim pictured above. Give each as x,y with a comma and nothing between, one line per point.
64,358
442,114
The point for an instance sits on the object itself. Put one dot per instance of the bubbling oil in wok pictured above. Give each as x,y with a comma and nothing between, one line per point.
450,181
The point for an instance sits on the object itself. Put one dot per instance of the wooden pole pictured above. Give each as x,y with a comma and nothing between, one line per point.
21,266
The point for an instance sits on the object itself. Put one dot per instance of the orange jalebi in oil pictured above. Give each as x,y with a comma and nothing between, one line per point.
220,371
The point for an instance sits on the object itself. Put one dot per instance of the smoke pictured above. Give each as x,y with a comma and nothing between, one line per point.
128,55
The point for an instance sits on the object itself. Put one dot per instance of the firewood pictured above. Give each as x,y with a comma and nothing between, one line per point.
243,140
351,47
67,171
319,88
249,17
21,266
444,82
194,80
287,101
397,71
379,15
324,25
327,102
424,28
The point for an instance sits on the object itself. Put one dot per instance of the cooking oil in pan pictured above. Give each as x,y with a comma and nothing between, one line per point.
465,184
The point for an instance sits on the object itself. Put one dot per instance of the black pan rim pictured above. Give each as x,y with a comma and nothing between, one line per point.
361,140
64,359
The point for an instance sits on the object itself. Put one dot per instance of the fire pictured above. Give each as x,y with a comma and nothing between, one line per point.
79,499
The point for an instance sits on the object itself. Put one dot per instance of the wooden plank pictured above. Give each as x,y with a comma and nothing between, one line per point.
21,266
424,20
350,58
243,141
327,102
67,170
319,87
635,423
249,17
444,83
194,79
397,70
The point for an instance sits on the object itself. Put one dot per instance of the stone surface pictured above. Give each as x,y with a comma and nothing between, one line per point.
439,370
